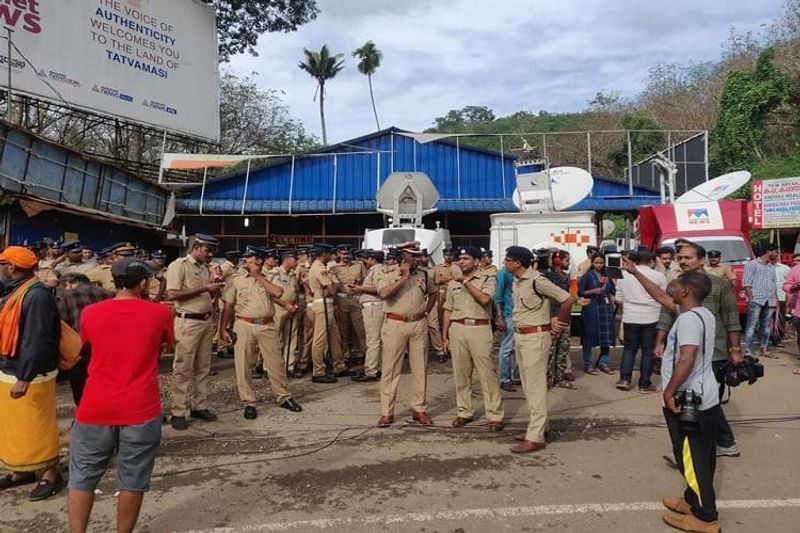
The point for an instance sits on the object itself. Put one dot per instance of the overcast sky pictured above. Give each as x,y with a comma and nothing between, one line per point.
508,55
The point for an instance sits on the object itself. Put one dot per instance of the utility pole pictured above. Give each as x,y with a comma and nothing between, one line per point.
8,86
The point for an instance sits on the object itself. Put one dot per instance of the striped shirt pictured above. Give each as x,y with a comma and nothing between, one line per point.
760,277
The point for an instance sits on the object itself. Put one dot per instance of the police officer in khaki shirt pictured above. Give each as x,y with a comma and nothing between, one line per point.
351,321
486,266
287,308
408,295
434,324
157,287
190,286
249,299
305,328
372,311
323,287
533,330
467,332
716,268
72,260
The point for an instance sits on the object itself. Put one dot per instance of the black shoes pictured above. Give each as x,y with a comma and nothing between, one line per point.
179,423
344,373
250,412
327,378
204,414
442,358
299,373
292,406
362,377
258,372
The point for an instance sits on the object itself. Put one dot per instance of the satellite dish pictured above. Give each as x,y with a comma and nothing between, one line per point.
555,190
407,197
715,189
608,227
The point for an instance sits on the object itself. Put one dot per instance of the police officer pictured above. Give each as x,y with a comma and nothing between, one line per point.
101,274
72,260
47,257
442,274
157,287
305,328
190,286
533,330
351,322
468,333
716,268
323,288
372,311
408,295
287,307
486,266
249,299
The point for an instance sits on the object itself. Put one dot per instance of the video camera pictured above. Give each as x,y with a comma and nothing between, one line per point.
613,261
690,403
748,370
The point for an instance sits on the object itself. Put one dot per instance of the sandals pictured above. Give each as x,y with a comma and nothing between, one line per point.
769,355
8,481
606,369
592,370
46,488
796,371
566,385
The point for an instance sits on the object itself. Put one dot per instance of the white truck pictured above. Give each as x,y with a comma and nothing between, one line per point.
572,231
406,197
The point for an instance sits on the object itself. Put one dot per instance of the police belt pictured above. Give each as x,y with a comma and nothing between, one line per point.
258,321
348,295
405,318
319,300
525,330
194,316
370,304
472,321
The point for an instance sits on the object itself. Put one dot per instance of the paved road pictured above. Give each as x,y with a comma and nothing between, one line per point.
330,469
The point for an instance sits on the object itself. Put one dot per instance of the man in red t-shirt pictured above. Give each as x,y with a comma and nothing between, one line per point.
121,405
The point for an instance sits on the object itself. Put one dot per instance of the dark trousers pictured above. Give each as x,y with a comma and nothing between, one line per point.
725,436
638,336
696,455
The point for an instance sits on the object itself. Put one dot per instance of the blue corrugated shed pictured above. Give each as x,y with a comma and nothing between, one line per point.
347,178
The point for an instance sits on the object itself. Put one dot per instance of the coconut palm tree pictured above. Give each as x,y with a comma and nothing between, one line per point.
322,66
370,59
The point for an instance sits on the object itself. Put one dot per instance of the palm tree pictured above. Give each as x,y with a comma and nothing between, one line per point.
322,66
370,59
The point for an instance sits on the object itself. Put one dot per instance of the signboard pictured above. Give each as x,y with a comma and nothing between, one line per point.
776,203
698,217
150,61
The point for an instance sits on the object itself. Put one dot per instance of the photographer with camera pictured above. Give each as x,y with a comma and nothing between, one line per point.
721,301
690,404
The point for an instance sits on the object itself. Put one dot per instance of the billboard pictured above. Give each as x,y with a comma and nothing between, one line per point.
698,217
776,203
150,61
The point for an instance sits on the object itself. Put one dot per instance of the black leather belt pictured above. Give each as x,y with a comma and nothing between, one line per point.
194,316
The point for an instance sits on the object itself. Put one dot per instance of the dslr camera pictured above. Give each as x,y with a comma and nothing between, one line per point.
749,370
690,403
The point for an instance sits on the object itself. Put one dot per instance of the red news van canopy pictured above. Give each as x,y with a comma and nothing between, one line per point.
658,223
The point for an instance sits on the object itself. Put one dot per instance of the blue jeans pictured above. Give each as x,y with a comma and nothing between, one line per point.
638,336
507,361
758,316
588,362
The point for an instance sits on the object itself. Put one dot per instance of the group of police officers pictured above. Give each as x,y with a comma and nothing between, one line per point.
328,310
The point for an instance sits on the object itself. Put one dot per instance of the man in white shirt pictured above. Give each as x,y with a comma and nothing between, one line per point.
781,273
640,314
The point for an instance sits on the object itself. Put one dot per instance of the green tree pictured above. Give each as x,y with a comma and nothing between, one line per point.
241,22
322,66
644,141
463,120
746,102
369,60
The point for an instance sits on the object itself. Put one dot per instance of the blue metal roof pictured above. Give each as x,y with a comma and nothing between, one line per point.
346,178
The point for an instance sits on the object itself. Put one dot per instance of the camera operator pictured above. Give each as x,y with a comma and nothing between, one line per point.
727,343
690,404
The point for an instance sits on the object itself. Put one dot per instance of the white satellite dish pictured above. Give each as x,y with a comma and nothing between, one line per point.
562,188
715,189
608,227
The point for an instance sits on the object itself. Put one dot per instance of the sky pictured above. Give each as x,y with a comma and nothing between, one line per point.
438,55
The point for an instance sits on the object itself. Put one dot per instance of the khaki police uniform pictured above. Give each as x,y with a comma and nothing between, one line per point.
471,345
101,276
442,275
533,339
434,325
154,287
372,313
67,267
722,271
405,328
284,321
256,332
490,270
305,328
194,335
319,278
351,321
46,273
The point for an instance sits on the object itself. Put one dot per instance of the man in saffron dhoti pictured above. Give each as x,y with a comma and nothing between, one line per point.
29,335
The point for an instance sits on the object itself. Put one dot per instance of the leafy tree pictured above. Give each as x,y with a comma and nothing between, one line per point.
746,102
369,60
463,120
643,143
322,66
256,121
241,22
